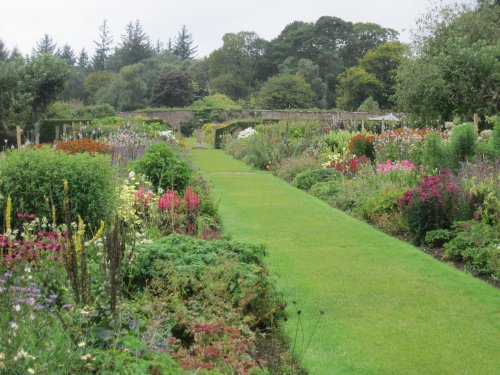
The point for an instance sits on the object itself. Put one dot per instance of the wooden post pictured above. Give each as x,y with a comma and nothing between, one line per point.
58,131
476,122
73,130
363,125
383,126
18,132
65,130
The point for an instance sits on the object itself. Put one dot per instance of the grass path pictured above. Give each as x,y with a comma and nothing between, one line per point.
389,308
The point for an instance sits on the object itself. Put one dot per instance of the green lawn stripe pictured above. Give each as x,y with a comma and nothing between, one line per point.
390,308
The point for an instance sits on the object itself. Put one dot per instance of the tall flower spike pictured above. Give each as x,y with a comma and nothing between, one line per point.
8,214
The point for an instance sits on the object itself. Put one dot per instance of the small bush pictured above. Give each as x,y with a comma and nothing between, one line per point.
164,167
306,179
476,244
434,153
326,190
381,202
290,167
34,179
462,144
438,237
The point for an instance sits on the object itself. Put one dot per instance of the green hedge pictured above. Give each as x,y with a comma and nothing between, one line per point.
48,127
35,177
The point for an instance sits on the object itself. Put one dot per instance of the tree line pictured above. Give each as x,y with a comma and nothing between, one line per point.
449,70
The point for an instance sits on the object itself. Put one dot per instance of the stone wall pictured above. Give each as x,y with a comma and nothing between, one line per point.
175,117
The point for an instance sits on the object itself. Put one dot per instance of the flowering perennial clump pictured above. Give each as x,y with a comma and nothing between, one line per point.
434,204
389,166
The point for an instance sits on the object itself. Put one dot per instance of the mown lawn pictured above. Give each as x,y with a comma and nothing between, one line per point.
389,307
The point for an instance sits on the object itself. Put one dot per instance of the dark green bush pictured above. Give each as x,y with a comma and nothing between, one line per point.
189,126
438,237
326,190
476,244
306,179
164,167
34,177
462,144
48,127
210,273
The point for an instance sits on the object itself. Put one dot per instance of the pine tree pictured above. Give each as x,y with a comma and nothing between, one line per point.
67,54
4,52
46,46
134,47
103,47
83,60
183,45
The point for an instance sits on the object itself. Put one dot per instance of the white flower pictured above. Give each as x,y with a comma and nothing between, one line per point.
86,357
31,371
22,354
82,344
17,308
246,133
27,269
13,326
131,174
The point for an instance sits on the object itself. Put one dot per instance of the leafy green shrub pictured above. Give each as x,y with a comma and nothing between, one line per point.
189,126
434,153
478,245
496,136
462,144
306,179
164,167
326,190
34,179
236,272
438,237
381,202
290,167
338,140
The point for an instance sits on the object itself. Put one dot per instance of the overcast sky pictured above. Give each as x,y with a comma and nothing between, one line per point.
76,22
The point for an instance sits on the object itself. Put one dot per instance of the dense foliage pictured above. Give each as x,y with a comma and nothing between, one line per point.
34,179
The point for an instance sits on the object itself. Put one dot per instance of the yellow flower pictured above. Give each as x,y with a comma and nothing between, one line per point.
8,213
31,371
99,232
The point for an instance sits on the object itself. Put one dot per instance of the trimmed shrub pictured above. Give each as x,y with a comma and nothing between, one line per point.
164,167
306,179
34,179
48,128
